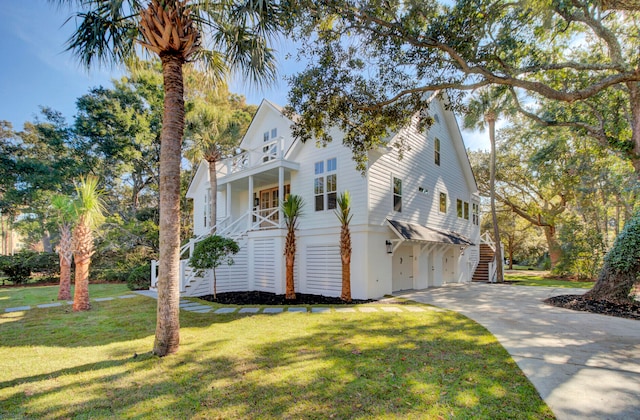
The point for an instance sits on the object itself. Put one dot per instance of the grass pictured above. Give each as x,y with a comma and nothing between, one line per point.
521,279
435,364
11,297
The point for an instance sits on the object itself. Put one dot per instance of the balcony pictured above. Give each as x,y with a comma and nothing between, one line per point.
249,159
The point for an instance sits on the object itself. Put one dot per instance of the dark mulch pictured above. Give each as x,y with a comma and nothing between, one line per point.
579,303
265,298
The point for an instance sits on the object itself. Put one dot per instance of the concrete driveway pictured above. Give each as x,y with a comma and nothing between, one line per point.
585,366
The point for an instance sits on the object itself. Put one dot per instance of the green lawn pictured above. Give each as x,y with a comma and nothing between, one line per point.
521,279
11,297
435,364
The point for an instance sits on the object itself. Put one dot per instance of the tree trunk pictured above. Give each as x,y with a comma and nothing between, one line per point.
46,241
215,286
213,184
345,251
555,251
290,254
82,252
81,291
64,293
612,286
492,194
167,337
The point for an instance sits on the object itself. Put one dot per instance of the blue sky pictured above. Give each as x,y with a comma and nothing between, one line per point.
37,71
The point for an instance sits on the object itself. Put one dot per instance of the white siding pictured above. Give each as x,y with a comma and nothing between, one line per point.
302,182
418,170
232,278
264,264
324,269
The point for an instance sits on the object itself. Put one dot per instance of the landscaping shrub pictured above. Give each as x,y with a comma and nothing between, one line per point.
19,267
140,278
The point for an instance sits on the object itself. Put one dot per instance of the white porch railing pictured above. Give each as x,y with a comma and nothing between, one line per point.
256,219
485,238
251,158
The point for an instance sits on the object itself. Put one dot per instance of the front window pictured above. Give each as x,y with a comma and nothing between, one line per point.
397,194
443,202
476,213
325,185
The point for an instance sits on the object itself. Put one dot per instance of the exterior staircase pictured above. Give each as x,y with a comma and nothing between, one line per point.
487,256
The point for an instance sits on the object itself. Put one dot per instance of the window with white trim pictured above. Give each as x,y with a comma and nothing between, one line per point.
325,184
397,194
436,151
466,210
475,207
463,209
443,202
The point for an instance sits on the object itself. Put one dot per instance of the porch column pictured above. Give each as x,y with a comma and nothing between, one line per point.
250,206
280,193
228,202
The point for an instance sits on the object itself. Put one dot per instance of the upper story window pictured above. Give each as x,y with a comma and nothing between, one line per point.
436,153
463,209
476,213
397,194
325,184
269,151
443,202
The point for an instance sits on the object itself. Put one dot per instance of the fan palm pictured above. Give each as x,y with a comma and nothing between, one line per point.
343,211
89,214
484,109
214,129
64,214
110,31
291,211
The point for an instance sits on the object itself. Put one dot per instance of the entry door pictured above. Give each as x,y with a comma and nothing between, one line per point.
448,266
402,269
268,204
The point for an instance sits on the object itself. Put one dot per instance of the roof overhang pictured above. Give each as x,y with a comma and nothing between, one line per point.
418,233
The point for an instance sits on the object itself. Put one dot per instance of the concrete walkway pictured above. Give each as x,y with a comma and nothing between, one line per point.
585,366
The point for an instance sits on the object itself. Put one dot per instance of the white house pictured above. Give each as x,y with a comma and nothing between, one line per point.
415,219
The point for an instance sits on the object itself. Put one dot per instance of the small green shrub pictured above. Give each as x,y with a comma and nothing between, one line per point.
20,266
140,278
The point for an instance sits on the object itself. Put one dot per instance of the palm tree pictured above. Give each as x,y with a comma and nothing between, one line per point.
291,211
343,211
64,209
214,128
89,213
238,32
485,108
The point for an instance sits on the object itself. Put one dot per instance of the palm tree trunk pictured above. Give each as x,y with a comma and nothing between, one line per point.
345,252
81,291
492,194
64,292
290,253
167,337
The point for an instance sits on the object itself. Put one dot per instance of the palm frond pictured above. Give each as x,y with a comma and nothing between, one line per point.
88,203
343,210
292,210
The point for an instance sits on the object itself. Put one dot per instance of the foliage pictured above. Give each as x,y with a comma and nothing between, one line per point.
140,278
212,252
19,267
582,250
624,255
372,64
440,364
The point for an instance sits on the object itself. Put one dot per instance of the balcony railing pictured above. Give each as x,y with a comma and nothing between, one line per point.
251,158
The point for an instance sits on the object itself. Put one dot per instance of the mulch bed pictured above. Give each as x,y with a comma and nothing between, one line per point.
265,298
579,303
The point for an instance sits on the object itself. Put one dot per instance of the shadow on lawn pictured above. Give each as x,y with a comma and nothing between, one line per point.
292,366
